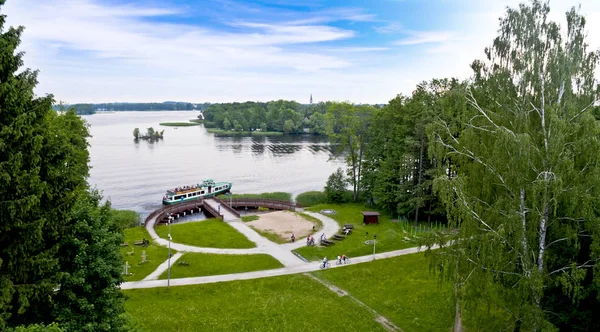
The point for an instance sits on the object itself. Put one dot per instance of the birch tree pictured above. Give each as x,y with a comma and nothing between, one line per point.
526,192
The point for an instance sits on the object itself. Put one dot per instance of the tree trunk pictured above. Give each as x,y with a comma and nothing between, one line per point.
457,311
524,255
420,179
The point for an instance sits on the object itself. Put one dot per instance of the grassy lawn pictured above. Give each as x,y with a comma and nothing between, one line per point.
209,264
401,289
179,124
155,254
287,303
390,235
212,233
274,195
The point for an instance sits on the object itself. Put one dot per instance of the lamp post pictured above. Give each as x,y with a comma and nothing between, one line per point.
169,259
374,241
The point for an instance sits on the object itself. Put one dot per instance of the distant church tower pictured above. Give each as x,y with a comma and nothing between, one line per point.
311,98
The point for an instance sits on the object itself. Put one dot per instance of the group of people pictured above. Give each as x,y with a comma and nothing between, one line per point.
194,186
341,260
310,240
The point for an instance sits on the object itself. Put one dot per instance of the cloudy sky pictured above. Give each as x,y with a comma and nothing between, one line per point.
231,50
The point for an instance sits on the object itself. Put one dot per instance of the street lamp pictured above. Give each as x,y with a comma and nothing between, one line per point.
374,241
169,259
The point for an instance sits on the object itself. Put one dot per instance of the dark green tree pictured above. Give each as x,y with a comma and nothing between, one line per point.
335,189
43,172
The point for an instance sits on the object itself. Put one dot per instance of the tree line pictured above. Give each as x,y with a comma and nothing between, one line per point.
285,116
115,107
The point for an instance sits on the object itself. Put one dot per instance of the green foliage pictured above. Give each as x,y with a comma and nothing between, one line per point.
287,303
151,134
390,235
38,328
212,233
214,264
335,187
89,297
166,106
125,218
523,188
311,198
132,254
136,133
180,124
348,128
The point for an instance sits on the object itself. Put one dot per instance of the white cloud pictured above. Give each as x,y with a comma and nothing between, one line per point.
391,27
425,37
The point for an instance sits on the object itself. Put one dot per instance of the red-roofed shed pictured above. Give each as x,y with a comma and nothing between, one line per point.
370,218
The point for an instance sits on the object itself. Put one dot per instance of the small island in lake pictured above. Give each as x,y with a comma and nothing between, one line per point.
150,134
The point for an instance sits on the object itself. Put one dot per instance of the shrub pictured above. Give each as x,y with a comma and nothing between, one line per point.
311,198
335,188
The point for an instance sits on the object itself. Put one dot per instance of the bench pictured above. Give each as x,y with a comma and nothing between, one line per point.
338,237
125,244
141,243
349,226
326,242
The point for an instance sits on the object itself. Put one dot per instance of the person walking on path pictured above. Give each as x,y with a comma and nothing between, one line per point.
293,237
219,208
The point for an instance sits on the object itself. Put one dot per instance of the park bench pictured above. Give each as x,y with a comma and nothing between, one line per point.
349,226
326,242
125,244
141,243
338,237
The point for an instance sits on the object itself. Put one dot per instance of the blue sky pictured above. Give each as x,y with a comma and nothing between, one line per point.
230,50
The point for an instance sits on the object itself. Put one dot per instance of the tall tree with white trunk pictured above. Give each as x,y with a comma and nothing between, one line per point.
525,198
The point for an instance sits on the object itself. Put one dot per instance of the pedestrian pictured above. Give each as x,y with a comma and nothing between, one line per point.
322,237
219,208
293,237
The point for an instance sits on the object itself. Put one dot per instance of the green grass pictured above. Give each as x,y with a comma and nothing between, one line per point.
211,264
390,235
213,233
274,195
311,198
196,120
250,218
287,303
155,254
179,124
401,289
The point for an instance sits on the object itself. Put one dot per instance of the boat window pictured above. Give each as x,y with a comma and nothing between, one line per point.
202,192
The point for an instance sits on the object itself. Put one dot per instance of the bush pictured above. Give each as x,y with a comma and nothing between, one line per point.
125,218
311,198
335,189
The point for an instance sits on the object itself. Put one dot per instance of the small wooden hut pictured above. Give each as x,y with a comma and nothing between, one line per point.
370,217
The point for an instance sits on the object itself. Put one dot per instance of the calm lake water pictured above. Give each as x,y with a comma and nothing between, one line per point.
136,175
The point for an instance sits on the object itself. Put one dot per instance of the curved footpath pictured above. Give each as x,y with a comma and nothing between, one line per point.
282,252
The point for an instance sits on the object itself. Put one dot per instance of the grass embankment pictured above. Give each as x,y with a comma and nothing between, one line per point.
179,124
311,198
212,233
278,195
196,120
210,264
287,303
222,132
125,218
390,235
250,218
399,288
155,254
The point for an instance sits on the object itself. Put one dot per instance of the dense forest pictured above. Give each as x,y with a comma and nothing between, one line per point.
285,116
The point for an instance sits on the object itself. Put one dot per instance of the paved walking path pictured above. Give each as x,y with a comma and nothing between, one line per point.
223,211
311,266
282,252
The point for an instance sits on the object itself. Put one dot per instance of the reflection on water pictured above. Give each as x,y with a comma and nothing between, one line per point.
136,175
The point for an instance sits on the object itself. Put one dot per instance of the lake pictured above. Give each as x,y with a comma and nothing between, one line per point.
136,175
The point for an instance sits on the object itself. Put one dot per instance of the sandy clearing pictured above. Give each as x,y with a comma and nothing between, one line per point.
283,223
